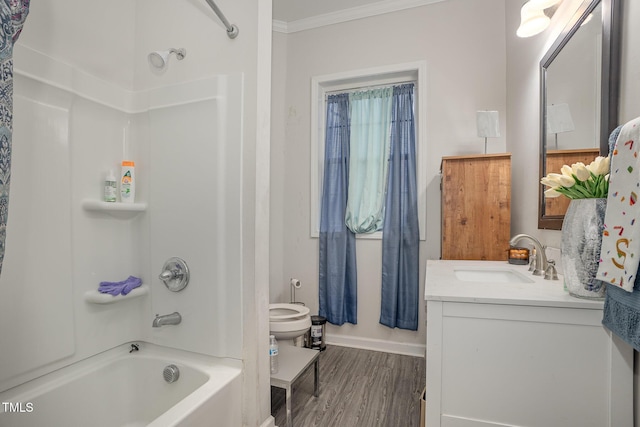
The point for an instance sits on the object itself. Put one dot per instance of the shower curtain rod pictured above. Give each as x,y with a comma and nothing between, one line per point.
232,30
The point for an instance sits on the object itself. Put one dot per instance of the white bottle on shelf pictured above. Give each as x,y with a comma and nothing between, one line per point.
128,182
273,354
110,187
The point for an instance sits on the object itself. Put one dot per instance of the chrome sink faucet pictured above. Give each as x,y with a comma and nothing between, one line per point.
167,319
541,258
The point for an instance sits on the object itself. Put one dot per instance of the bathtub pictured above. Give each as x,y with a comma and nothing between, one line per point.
119,388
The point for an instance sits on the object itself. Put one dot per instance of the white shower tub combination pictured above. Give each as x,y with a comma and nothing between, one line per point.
119,388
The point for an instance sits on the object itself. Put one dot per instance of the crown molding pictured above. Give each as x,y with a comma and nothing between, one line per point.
351,14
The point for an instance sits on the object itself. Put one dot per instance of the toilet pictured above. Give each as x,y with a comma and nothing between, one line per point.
288,321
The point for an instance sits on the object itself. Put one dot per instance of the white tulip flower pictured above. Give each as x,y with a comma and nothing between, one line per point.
579,181
580,171
566,181
566,170
600,166
551,180
551,193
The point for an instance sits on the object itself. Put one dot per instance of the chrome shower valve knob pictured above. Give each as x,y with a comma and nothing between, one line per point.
175,274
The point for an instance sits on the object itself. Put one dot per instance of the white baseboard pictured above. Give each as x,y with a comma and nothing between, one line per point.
269,422
417,350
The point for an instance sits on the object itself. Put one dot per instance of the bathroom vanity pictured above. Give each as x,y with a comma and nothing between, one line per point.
506,348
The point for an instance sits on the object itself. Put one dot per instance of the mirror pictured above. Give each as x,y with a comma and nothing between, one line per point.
579,79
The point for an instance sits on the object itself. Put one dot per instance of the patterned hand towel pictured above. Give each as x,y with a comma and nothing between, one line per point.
621,234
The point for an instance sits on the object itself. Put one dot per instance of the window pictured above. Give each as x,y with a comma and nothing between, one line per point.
362,79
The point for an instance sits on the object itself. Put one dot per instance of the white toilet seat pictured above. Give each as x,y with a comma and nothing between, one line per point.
288,321
280,312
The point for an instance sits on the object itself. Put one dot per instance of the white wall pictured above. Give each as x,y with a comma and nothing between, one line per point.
55,250
54,28
462,42
193,131
194,170
630,109
630,76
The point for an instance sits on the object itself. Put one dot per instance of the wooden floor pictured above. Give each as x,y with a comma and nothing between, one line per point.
358,388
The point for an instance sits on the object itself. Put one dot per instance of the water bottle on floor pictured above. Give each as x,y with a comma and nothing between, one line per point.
273,354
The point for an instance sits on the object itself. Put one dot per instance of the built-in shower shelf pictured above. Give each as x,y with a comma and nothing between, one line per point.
114,208
96,297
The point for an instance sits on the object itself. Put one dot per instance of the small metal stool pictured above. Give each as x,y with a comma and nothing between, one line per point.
293,361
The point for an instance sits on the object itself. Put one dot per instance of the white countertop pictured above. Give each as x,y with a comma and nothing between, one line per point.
441,284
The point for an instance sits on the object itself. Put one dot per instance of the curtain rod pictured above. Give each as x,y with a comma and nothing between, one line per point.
232,30
367,87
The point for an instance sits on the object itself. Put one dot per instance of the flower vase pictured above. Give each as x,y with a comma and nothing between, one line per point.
581,241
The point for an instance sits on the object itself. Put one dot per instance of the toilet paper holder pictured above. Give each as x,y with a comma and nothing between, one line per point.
295,284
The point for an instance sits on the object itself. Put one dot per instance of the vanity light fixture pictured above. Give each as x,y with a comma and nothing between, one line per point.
488,125
532,20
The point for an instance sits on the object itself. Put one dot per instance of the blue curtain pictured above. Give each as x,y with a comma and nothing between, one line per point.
13,13
338,279
400,233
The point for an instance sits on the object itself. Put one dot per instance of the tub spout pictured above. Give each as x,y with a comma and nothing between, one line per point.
167,319
541,258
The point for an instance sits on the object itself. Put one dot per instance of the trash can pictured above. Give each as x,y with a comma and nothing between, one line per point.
317,333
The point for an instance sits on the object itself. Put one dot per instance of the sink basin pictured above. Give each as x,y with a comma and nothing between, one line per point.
494,275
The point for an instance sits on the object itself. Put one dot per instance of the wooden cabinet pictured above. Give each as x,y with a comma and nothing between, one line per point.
476,206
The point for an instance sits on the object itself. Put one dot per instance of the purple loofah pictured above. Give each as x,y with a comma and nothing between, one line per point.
130,284
117,288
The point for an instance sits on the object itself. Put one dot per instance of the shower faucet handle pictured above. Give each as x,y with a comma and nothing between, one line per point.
170,274
175,274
